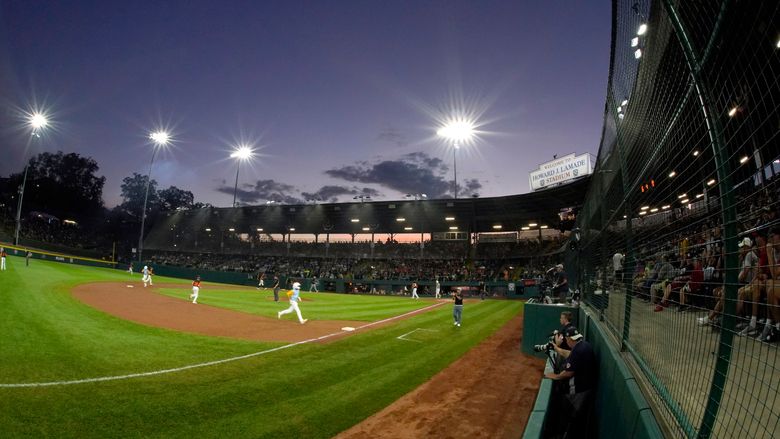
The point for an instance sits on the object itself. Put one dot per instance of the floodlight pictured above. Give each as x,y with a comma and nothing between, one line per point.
38,121
743,159
672,174
642,29
733,111
243,152
160,138
711,182
457,130
638,53
634,41
498,227
696,153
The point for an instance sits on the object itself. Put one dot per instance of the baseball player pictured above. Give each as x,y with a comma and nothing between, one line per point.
195,289
151,273
3,255
130,269
438,289
260,280
414,291
294,299
146,278
314,288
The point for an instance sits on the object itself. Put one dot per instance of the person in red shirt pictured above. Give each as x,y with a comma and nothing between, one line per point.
195,289
3,254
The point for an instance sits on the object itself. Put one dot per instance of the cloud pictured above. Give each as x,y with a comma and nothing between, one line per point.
331,193
415,172
264,190
392,135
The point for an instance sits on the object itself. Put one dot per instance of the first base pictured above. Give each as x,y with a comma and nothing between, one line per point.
130,286
347,328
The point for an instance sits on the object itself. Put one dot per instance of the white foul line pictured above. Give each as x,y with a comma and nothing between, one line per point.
402,337
210,363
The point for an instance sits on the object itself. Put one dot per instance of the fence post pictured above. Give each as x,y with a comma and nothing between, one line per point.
728,213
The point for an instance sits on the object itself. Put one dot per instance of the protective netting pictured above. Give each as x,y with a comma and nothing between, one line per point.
679,229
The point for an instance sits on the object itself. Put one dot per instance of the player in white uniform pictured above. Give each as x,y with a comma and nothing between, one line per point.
438,289
147,278
2,258
414,291
195,289
296,287
130,269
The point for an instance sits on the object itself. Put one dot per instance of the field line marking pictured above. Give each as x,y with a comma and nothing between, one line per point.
209,363
402,337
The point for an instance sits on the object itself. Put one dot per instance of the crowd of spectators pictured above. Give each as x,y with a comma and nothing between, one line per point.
681,264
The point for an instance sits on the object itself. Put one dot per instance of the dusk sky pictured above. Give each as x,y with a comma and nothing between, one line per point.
339,97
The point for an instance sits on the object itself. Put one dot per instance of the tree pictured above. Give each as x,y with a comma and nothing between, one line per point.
64,185
133,193
174,198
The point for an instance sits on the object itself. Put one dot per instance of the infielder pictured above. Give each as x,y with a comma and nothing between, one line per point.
314,288
260,280
130,269
438,289
414,291
147,278
3,254
195,289
296,287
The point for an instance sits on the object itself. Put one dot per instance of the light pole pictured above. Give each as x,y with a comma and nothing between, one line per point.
242,153
38,122
160,139
458,132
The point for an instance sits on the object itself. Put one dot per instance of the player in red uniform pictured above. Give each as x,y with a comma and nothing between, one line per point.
195,289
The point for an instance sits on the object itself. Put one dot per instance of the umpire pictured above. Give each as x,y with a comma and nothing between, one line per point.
572,409
276,288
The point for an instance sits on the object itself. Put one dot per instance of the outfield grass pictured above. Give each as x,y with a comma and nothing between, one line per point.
318,306
311,390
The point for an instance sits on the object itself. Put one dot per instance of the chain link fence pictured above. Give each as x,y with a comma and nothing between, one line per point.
679,229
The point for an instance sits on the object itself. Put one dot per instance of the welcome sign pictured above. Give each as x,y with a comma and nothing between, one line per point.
559,171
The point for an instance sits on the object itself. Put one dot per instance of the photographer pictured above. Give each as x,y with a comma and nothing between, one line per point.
580,371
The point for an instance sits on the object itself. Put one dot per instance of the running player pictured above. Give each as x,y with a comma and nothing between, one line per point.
195,289
296,287
146,278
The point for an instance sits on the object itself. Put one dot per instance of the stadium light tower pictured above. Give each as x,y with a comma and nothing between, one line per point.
457,132
160,139
37,122
241,154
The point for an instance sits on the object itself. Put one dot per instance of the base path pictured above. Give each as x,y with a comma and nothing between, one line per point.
144,306
487,393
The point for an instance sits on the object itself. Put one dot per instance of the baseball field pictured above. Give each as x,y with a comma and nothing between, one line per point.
88,352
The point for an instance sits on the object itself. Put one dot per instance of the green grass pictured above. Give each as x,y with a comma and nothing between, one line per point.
311,390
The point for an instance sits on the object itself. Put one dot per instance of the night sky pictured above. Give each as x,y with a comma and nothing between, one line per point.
340,98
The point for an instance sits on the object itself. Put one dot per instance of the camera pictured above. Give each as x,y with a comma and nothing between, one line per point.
544,347
549,346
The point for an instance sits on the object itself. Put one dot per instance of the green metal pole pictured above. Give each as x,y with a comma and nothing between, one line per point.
728,213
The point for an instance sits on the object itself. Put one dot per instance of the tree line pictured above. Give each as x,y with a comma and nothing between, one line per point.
66,186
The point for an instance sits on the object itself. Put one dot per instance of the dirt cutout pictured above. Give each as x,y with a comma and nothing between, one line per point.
487,393
144,306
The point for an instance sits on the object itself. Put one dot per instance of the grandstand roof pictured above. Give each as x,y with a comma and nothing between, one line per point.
469,214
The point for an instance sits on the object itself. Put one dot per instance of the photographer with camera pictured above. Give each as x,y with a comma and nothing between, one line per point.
573,406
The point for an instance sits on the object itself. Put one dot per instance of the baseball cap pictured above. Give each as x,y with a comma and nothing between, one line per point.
745,242
572,333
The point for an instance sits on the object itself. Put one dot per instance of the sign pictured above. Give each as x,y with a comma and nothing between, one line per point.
560,171
498,237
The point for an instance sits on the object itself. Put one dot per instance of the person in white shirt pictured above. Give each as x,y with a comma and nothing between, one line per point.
294,299
438,289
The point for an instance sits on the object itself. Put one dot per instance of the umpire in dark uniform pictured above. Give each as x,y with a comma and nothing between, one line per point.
276,288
